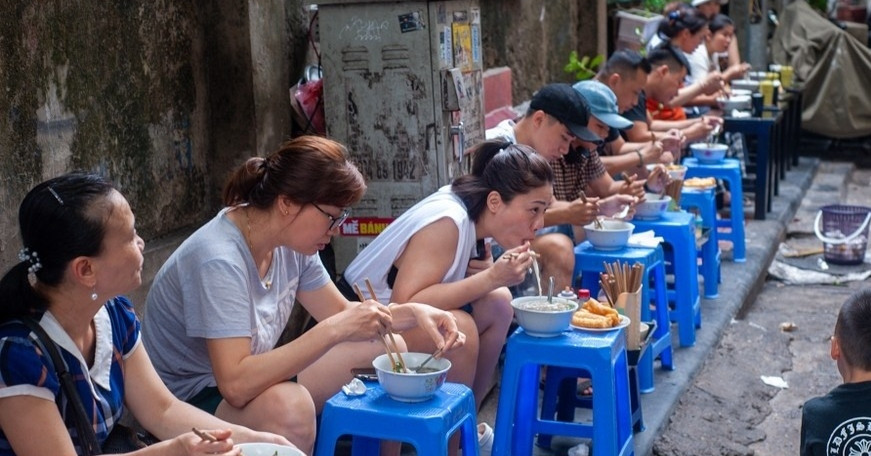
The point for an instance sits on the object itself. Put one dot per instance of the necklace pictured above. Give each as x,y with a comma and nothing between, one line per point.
267,283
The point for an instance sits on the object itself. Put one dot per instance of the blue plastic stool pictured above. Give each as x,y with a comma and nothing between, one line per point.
375,416
678,230
602,354
704,200
728,170
589,262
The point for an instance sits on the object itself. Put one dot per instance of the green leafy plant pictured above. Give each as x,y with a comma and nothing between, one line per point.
585,67
655,6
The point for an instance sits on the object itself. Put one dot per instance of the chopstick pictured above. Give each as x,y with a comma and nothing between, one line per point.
391,349
390,334
620,278
204,435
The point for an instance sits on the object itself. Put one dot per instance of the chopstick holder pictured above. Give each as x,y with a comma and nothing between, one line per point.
629,304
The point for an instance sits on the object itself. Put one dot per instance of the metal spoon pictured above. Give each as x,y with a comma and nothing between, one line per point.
428,359
550,290
622,214
714,136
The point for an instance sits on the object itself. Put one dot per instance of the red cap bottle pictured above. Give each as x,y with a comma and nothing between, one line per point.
583,295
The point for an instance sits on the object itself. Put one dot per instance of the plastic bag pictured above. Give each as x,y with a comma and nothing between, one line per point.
308,106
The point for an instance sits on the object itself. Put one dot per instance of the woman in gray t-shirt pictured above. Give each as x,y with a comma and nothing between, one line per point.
219,304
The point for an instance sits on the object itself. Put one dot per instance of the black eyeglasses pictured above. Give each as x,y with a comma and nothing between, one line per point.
334,221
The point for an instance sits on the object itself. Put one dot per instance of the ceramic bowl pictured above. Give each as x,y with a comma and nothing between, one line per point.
652,207
268,449
676,171
745,84
709,153
411,386
613,235
542,319
739,102
737,92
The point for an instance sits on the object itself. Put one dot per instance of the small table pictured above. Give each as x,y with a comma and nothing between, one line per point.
764,130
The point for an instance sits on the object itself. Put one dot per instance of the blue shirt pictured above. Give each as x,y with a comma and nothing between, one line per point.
25,370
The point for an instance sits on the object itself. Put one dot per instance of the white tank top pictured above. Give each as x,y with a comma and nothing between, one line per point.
375,260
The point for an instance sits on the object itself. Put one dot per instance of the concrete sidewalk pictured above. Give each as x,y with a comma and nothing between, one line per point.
740,285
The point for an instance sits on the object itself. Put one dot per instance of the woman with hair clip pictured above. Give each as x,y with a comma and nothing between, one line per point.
436,253
684,28
81,252
220,302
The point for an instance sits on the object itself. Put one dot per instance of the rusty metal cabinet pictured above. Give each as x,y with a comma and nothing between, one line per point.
403,90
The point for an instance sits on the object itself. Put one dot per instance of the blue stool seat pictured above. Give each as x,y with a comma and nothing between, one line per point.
589,262
602,354
704,200
375,416
728,170
678,230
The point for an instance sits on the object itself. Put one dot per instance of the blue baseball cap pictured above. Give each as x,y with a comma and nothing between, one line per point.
603,104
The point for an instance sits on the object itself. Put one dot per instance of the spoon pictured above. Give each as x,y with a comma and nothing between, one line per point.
428,359
714,136
550,290
622,214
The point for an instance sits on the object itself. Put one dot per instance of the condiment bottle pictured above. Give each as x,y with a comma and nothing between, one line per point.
567,294
583,295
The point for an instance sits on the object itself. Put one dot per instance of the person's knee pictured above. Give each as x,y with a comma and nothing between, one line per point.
499,308
556,250
290,411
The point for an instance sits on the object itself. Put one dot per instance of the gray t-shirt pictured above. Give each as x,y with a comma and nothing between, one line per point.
210,289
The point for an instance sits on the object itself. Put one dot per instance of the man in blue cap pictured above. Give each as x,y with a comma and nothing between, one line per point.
606,122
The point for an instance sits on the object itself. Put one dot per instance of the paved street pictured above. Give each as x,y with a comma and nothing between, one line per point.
715,401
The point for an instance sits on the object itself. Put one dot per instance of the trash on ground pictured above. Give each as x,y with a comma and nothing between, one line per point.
777,382
788,326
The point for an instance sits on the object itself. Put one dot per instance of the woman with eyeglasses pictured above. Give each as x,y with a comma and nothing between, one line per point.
435,253
219,304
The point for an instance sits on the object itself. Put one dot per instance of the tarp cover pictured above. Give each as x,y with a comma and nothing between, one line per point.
834,68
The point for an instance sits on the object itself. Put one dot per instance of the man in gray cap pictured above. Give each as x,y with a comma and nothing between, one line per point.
607,123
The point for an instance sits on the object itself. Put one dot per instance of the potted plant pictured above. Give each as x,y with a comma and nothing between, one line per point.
636,25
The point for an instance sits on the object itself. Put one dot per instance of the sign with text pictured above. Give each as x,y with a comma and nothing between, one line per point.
364,226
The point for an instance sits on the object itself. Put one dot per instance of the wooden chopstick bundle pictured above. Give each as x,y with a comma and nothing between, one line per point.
620,278
384,340
673,189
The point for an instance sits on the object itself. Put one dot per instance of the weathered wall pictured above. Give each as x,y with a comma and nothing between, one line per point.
162,97
534,38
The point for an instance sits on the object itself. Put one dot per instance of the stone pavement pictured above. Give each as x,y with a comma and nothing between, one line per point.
741,284
728,409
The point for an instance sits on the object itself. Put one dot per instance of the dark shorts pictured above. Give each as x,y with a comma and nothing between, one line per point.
207,400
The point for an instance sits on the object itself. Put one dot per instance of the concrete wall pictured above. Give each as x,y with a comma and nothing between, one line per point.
165,97
534,38
162,97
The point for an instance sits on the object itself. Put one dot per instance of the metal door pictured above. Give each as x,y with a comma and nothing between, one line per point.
391,96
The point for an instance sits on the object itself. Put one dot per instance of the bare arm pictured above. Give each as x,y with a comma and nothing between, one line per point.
148,399
339,320
427,257
577,212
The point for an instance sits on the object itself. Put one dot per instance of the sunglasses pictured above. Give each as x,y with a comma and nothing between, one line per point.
334,221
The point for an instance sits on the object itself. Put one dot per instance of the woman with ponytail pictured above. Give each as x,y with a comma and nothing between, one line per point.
436,253
80,254
218,305
684,28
